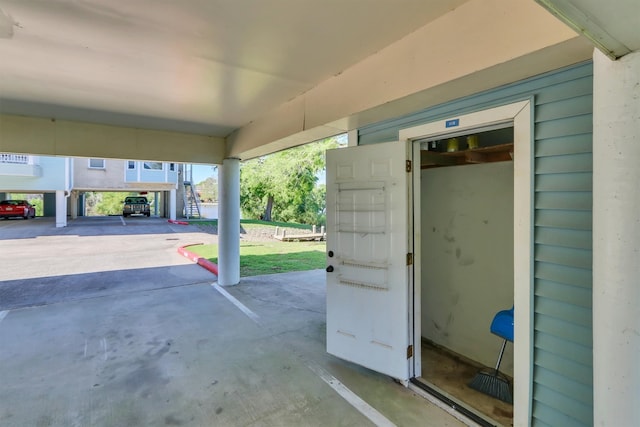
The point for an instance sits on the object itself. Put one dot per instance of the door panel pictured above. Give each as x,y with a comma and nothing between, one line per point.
367,234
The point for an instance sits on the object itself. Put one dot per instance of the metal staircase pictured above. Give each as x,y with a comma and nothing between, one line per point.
190,195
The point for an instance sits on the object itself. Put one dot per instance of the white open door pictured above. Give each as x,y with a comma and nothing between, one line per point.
369,288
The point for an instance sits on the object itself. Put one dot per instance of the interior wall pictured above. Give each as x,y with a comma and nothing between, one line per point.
467,257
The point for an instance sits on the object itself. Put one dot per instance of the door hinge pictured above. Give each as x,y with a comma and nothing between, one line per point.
410,352
409,258
408,165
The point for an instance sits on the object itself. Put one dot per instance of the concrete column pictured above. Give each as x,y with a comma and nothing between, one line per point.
61,209
352,138
229,222
172,204
616,240
156,203
73,204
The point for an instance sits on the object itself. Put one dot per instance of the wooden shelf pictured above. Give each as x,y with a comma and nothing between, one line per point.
494,153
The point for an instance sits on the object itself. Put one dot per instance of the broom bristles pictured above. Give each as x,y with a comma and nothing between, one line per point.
492,383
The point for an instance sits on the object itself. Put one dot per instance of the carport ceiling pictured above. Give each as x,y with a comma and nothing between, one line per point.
196,66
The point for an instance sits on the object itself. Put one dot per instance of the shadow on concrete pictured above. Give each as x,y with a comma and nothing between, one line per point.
47,290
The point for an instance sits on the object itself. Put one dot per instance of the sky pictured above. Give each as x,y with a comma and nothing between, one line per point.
202,172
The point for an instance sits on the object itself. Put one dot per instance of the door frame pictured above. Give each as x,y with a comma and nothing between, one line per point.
520,115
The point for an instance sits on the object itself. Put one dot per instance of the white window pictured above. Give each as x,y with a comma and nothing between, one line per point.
96,163
172,167
153,166
131,164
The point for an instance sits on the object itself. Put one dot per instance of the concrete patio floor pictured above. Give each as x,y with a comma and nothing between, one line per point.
186,355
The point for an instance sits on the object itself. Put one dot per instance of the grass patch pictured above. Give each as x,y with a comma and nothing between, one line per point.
258,258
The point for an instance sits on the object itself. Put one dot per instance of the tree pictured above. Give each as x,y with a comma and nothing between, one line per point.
208,189
283,185
106,203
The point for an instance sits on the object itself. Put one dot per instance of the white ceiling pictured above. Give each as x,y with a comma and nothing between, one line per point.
200,66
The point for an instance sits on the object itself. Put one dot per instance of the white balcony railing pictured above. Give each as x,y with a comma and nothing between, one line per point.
18,159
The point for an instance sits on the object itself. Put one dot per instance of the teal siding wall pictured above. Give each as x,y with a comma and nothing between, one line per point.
562,292
563,370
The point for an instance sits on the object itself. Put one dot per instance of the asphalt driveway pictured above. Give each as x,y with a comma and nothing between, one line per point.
93,256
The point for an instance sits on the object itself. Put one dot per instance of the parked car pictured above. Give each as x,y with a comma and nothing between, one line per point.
136,205
17,208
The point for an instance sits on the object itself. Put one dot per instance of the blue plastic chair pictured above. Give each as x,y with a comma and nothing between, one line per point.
502,324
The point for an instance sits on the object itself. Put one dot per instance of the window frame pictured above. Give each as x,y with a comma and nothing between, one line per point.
104,166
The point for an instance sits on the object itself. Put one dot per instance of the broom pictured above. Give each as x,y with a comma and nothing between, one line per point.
492,382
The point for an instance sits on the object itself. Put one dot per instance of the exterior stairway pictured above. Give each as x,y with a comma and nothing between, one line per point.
191,201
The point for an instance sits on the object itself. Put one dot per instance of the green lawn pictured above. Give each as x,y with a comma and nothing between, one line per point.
257,258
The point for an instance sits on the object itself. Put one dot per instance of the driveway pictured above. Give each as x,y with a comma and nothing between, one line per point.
104,324
93,256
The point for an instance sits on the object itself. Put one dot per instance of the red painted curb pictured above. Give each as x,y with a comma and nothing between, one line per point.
173,221
203,262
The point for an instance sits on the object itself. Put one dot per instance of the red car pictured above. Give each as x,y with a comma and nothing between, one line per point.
12,208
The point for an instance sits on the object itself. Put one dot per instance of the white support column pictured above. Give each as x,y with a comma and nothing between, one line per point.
616,240
73,204
172,204
61,209
352,138
229,223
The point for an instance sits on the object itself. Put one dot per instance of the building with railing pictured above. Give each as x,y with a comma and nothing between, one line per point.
64,181
147,177
50,176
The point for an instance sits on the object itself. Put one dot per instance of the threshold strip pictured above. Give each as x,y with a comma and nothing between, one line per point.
250,314
3,314
354,400
451,404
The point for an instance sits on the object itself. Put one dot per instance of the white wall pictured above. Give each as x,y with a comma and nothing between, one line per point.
467,257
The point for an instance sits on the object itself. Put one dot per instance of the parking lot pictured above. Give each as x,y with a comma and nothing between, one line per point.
102,323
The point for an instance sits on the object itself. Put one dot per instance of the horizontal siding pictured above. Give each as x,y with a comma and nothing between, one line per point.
582,181
560,365
578,239
567,412
563,217
563,385
565,200
575,314
564,127
579,258
565,108
565,358
570,220
547,416
563,274
577,86
571,144
568,163
559,327
564,293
